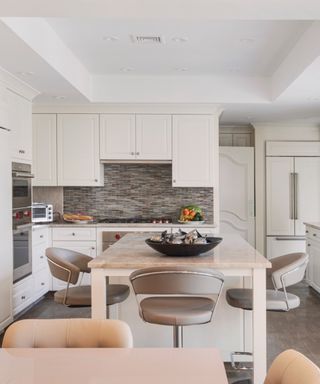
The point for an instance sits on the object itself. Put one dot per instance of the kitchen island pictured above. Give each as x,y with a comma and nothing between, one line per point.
233,257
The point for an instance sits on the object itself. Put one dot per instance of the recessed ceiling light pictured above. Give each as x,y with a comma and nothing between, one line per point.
126,69
182,69
59,97
247,41
28,73
179,39
111,39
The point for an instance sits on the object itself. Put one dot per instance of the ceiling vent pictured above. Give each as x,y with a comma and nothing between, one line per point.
147,39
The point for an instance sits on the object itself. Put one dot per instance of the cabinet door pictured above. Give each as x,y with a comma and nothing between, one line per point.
280,196
4,108
313,272
307,174
6,257
153,137
78,150
117,137
44,148
281,245
192,157
20,122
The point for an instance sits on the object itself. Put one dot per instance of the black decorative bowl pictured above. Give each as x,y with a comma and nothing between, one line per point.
184,249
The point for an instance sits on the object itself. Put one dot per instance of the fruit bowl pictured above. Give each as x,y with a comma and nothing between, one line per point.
184,249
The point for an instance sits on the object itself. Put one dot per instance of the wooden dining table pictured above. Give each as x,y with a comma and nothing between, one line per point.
233,257
111,365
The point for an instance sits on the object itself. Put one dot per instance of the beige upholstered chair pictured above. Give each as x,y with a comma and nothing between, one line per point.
66,265
291,367
68,333
286,270
177,296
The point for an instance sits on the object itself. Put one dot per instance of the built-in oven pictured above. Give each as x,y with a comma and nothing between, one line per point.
22,259
21,185
21,220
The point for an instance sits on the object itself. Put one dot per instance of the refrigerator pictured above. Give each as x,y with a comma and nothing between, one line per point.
292,198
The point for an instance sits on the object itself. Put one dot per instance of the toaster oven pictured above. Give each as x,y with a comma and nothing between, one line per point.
42,213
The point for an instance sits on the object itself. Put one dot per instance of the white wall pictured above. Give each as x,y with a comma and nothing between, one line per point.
275,131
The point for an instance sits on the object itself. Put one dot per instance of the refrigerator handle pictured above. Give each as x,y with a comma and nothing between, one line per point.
292,196
296,196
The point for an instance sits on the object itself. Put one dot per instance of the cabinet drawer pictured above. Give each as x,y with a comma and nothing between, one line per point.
39,259
313,233
74,233
41,283
86,247
40,235
22,294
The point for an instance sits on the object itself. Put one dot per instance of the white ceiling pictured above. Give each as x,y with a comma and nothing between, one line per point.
249,48
258,59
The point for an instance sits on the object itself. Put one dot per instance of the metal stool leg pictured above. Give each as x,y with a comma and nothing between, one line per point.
178,336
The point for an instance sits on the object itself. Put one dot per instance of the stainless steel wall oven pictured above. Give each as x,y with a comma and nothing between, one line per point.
21,220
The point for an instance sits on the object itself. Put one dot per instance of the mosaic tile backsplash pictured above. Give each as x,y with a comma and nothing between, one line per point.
133,190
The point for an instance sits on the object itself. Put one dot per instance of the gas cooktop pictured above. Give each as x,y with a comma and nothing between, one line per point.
136,220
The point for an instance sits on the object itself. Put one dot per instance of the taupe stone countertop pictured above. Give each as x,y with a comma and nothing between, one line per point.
131,252
315,224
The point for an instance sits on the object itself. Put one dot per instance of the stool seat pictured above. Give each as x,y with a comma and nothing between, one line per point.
81,296
276,300
177,310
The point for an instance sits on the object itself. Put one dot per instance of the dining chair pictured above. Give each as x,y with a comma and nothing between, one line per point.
177,296
66,265
68,333
286,270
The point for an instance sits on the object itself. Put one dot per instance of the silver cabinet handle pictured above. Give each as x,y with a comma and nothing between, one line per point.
96,180
5,129
41,257
292,196
92,247
41,236
296,196
22,151
23,297
138,153
289,238
73,234
132,153
42,283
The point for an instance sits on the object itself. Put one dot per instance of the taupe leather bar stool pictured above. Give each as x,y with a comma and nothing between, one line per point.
68,333
66,265
177,296
286,270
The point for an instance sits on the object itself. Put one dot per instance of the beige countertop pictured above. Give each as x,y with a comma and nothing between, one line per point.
126,225
315,224
131,252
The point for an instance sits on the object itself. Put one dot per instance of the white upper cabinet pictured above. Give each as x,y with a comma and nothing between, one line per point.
44,161
193,151
117,137
153,137
20,123
135,137
78,150
4,108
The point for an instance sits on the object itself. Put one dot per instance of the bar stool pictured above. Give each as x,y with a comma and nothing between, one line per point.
286,270
66,265
177,296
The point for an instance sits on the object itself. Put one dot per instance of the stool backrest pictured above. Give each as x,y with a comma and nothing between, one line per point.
176,281
66,265
68,333
288,269
291,367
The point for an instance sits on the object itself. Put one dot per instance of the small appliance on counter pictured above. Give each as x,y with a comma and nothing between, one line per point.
42,213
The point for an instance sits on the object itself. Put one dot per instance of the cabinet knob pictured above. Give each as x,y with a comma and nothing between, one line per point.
96,180
309,245
23,297
42,283
41,257
22,151
41,236
138,153
307,231
92,247
73,234
173,180
314,234
132,153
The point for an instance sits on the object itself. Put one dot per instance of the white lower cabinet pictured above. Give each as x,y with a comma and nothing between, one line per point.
40,269
77,239
22,294
313,250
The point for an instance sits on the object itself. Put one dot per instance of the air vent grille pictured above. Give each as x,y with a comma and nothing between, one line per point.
147,39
